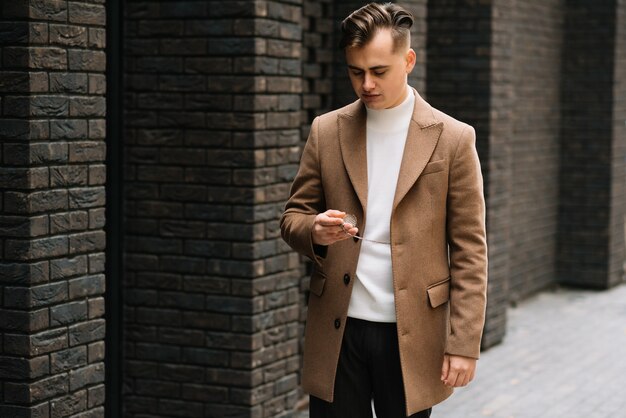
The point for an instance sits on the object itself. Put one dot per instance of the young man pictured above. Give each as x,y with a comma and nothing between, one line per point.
397,316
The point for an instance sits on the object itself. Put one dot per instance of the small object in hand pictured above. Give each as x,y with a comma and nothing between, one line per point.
349,219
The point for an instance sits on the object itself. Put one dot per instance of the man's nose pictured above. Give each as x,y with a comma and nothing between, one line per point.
368,83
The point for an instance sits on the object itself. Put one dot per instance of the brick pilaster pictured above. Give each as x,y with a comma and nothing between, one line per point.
592,200
535,70
212,138
52,178
498,164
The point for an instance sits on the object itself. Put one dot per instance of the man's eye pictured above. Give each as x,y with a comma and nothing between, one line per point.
379,73
357,73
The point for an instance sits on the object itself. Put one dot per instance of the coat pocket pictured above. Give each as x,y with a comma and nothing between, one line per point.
434,167
439,293
318,279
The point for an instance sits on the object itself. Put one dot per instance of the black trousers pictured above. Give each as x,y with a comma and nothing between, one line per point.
369,368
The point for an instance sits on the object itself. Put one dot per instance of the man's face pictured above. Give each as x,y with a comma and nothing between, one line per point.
377,73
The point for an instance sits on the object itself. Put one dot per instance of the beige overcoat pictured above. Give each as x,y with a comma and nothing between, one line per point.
438,245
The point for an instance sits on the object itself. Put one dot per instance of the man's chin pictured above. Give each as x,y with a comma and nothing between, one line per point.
373,104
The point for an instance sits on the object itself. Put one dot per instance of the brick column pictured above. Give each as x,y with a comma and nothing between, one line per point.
592,198
213,127
52,179
498,164
468,77
536,123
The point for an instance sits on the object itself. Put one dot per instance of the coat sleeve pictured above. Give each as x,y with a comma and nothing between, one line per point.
468,249
306,200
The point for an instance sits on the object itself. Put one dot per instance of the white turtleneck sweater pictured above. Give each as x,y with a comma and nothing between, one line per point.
372,295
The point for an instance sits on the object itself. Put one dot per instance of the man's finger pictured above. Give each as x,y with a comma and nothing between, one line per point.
460,377
329,221
452,377
461,371
332,213
445,368
351,230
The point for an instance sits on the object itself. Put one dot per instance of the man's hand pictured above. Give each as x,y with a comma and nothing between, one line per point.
457,371
329,228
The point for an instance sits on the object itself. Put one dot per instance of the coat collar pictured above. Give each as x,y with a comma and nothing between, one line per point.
422,137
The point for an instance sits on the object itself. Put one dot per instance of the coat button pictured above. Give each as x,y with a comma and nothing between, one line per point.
346,279
337,323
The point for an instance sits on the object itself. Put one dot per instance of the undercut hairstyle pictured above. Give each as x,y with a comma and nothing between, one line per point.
361,25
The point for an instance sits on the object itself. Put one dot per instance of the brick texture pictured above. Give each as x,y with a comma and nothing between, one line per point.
319,42
213,115
592,202
536,123
498,165
52,240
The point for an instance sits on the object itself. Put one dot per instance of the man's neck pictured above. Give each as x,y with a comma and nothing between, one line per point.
402,97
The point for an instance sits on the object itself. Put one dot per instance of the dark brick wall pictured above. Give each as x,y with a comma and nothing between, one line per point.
419,10
592,203
536,64
499,165
52,177
319,44
212,134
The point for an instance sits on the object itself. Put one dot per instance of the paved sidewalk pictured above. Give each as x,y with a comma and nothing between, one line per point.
564,355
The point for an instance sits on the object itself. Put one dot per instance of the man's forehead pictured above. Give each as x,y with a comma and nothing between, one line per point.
370,59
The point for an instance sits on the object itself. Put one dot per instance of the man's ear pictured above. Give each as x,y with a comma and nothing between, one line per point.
410,59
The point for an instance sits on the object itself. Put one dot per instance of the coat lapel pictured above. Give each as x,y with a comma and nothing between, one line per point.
353,148
422,137
424,132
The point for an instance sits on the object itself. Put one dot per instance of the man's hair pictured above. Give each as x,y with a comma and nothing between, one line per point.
361,25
